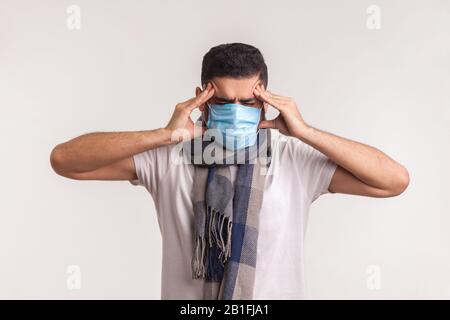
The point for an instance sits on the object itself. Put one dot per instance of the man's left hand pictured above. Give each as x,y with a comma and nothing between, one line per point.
289,121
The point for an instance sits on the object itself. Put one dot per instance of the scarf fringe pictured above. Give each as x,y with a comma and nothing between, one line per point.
215,223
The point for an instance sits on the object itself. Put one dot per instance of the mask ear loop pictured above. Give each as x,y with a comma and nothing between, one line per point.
264,118
203,119
257,131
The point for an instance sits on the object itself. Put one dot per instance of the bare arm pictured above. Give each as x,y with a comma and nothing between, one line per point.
104,155
109,155
362,169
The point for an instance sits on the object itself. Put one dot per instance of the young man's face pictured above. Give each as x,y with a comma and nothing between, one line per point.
232,90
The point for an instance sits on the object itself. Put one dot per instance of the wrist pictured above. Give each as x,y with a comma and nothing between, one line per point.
303,131
166,136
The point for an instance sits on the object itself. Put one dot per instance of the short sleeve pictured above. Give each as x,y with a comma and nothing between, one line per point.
314,168
150,166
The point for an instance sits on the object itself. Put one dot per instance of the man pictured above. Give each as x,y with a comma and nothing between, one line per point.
229,229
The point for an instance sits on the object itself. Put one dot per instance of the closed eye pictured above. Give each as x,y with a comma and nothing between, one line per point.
249,104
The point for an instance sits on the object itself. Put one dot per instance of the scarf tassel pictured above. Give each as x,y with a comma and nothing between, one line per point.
218,234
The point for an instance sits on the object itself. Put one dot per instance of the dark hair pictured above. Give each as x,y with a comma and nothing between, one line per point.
236,60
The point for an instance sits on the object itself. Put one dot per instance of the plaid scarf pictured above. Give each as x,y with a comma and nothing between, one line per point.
226,218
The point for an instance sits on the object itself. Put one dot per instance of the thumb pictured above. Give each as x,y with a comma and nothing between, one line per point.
267,124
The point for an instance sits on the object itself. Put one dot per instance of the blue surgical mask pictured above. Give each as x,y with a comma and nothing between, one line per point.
237,124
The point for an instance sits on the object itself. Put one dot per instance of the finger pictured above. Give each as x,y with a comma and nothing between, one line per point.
261,90
276,96
267,124
258,94
262,95
273,95
206,94
202,97
280,99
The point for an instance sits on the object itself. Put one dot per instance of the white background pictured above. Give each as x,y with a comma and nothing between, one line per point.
132,61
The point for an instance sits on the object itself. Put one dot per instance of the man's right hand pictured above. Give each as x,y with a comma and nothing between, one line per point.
181,127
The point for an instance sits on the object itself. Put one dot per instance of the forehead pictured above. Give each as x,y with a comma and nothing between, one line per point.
232,88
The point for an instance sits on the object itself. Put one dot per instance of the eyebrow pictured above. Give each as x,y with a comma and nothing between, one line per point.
231,100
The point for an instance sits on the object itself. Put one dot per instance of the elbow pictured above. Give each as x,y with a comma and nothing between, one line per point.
57,160
400,182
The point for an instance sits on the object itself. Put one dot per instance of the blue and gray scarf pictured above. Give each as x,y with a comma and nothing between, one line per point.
226,219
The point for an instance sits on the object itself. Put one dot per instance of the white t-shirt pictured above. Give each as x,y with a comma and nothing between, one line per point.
298,175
